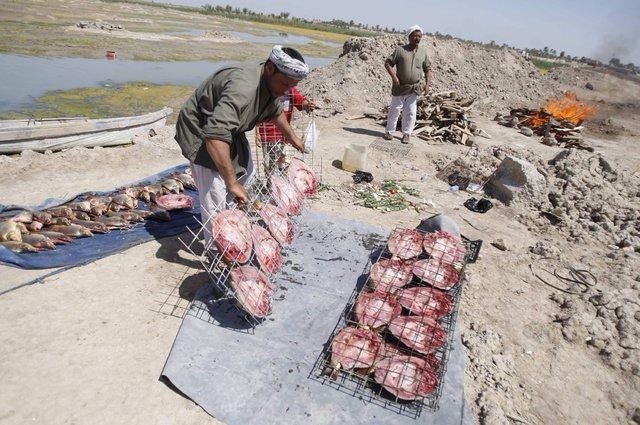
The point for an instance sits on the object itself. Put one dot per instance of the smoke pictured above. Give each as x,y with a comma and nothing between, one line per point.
624,47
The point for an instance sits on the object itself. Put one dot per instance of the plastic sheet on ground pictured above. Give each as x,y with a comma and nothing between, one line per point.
265,376
84,250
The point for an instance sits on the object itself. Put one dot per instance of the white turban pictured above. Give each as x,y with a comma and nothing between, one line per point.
414,28
289,66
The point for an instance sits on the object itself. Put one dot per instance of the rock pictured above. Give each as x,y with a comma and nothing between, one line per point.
364,56
588,86
603,298
516,180
27,153
499,243
526,131
544,250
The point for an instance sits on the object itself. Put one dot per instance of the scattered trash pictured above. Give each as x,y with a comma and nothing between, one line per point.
429,201
474,187
362,176
453,188
482,206
458,179
460,173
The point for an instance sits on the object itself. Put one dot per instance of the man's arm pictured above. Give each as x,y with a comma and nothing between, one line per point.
281,122
392,72
300,102
427,77
220,152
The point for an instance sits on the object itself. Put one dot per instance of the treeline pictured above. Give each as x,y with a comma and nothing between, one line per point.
283,18
357,29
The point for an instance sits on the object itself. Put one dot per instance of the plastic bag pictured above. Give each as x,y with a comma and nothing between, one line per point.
311,136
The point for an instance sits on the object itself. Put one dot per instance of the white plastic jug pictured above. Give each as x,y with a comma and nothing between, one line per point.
354,158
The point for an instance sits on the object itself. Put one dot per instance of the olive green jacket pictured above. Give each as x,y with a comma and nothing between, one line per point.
226,104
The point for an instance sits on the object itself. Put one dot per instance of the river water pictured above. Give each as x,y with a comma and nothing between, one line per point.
25,78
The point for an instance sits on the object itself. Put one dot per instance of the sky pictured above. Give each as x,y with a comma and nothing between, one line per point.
597,29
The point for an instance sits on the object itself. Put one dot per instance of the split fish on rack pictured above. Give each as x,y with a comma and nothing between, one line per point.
302,177
286,195
231,232
267,249
253,290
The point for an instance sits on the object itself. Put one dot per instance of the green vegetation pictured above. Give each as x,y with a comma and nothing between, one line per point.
545,65
387,196
335,26
106,102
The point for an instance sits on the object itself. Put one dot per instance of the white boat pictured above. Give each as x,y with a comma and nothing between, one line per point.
63,133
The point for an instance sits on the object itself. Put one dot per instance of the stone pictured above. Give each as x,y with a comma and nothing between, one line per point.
516,180
526,131
499,243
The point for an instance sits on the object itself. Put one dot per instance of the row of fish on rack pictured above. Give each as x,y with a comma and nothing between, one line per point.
25,231
393,330
236,237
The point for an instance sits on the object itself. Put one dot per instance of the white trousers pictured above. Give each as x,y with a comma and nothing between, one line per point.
213,194
408,105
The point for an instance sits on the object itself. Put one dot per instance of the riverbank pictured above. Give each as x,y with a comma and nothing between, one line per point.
49,29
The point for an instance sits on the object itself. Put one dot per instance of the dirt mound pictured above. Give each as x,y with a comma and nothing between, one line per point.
497,78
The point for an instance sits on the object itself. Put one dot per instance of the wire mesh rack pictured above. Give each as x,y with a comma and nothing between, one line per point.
392,341
393,148
239,246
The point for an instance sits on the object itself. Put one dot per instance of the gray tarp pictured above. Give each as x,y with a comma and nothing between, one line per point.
263,377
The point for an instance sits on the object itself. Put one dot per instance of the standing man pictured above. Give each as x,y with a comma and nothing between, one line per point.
211,125
271,139
410,62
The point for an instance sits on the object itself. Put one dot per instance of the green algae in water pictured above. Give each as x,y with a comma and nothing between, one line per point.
105,102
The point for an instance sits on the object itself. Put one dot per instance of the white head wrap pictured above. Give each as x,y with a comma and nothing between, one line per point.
287,65
414,28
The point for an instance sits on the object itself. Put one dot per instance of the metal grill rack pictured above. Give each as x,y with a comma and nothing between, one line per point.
391,147
219,262
361,382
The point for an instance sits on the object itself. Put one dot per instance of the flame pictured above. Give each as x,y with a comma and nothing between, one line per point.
538,119
569,108
565,108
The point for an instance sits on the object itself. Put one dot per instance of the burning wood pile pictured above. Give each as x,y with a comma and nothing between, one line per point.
443,117
558,123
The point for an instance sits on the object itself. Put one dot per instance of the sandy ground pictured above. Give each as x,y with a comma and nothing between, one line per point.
89,343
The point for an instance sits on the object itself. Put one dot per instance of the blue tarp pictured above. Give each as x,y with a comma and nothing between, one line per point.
84,250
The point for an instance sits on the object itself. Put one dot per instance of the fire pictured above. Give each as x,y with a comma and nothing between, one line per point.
566,108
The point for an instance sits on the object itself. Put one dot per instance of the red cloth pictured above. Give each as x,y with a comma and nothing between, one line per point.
267,131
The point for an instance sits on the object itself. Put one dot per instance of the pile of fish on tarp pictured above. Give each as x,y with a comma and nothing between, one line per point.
236,237
25,231
394,329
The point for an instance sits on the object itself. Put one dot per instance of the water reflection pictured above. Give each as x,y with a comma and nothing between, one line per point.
25,78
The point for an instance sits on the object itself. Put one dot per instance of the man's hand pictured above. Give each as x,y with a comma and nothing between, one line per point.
396,81
297,143
308,105
239,192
